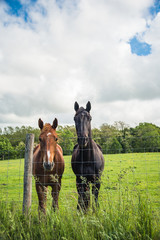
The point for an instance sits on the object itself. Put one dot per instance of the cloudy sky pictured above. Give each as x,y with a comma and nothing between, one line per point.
56,52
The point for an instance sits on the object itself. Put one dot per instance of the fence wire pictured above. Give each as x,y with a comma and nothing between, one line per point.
125,175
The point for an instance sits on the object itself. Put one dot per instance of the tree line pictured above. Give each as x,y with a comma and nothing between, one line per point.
116,138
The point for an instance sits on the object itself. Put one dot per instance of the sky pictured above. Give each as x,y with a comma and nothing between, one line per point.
56,52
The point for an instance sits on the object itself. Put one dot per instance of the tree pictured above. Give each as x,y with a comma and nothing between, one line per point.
115,146
66,139
20,150
124,136
96,135
6,149
18,134
108,132
112,138
120,125
145,137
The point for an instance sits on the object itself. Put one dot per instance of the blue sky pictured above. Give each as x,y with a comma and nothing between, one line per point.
18,9
55,52
143,48
140,48
154,9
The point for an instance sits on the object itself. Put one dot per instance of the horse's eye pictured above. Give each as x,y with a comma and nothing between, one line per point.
56,139
40,139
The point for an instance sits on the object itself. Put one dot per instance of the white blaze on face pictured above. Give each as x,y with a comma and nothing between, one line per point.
48,162
48,154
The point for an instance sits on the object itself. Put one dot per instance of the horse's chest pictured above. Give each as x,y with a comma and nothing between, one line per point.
85,168
87,163
46,178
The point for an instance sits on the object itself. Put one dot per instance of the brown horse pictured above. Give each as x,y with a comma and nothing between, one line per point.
48,164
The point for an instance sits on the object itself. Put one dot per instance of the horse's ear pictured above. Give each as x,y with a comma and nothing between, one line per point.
76,106
40,124
88,106
55,123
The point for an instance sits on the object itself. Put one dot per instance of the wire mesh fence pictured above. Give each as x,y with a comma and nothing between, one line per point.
125,176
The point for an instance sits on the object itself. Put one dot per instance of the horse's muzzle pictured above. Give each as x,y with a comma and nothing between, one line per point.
83,142
48,166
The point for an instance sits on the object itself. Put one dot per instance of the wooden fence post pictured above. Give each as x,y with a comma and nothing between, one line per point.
27,185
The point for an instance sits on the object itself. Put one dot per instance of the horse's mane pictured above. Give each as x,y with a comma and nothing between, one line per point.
35,148
81,109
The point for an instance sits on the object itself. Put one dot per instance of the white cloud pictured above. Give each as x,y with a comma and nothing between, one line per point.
132,112
79,52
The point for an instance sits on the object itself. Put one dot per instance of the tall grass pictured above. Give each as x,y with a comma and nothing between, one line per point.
123,221
129,203
131,217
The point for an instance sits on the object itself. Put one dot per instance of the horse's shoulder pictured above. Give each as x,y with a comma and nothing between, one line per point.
60,159
60,152
97,145
75,152
59,149
75,149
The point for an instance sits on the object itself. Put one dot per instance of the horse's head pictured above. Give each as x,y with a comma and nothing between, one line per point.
83,124
48,142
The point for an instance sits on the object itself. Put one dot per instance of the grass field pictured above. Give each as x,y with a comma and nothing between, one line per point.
129,202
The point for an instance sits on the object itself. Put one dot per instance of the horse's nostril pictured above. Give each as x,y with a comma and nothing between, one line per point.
48,166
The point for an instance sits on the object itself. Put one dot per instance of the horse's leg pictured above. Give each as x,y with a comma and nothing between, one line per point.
83,193
42,196
86,196
55,193
80,191
95,190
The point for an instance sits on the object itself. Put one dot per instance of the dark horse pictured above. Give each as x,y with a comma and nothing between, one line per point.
48,164
87,158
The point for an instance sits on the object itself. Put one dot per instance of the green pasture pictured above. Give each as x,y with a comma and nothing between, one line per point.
123,172
129,197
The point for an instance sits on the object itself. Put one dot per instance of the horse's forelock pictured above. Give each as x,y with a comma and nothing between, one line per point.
47,128
80,110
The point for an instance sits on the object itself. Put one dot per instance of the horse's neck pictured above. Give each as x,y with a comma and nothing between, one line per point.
90,134
87,153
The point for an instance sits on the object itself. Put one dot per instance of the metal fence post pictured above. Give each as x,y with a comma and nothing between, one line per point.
27,185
